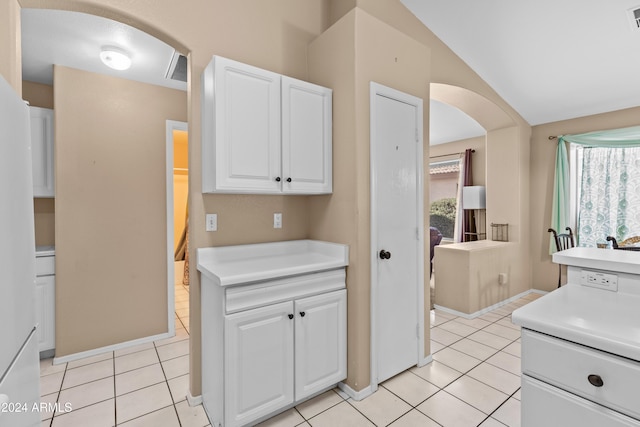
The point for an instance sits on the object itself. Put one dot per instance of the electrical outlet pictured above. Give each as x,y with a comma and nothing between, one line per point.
277,220
598,279
211,222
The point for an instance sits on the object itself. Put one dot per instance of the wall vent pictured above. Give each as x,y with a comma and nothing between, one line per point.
178,68
634,18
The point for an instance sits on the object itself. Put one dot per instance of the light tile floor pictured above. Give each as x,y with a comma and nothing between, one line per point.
473,380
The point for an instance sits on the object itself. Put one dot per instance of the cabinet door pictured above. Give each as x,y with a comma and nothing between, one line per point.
258,362
545,405
246,136
306,137
45,312
321,342
42,151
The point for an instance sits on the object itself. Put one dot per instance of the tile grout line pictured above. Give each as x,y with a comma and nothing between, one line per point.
115,393
499,406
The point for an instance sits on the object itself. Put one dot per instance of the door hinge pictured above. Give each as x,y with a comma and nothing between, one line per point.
418,330
417,136
417,234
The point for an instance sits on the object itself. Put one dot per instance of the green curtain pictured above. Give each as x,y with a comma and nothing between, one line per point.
615,138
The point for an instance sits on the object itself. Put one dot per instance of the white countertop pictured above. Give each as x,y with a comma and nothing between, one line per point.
600,259
475,245
609,321
232,265
45,251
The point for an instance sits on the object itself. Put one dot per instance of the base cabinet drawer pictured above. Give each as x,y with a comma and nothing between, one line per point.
547,406
603,378
45,312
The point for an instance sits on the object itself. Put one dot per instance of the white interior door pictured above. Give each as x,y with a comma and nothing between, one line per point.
396,203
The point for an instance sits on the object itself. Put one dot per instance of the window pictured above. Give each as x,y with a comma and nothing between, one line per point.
443,192
605,193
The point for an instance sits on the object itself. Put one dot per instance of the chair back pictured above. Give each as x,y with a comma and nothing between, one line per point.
435,239
564,240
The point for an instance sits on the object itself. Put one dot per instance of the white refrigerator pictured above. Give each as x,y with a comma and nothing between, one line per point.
19,364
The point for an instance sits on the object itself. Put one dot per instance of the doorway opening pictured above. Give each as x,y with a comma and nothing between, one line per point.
178,228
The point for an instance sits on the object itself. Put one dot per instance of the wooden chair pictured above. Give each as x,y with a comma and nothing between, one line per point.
435,239
563,241
626,244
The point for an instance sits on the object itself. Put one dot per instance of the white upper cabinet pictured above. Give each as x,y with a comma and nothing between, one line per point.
42,151
264,133
306,137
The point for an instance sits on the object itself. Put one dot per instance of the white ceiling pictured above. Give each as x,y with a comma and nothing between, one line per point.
550,60
75,40
447,123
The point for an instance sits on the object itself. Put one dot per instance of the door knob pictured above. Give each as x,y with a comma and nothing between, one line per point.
302,314
278,179
290,316
384,254
288,179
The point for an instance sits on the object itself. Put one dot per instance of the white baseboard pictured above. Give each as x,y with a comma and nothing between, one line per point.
425,361
193,400
114,347
490,308
355,395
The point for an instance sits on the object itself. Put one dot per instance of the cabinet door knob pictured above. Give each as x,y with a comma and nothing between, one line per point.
302,314
277,179
595,380
288,179
290,316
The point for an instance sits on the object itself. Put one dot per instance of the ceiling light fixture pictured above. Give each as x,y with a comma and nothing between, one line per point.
115,58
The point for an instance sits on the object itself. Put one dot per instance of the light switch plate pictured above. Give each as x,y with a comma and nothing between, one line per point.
212,222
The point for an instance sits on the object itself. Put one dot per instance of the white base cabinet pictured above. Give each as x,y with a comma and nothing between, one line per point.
45,304
272,344
564,383
548,406
264,133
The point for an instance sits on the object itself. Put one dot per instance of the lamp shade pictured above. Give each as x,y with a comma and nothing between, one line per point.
474,197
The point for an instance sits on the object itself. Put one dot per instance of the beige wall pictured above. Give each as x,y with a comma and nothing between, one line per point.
356,50
41,95
111,232
272,35
10,44
466,275
543,152
38,94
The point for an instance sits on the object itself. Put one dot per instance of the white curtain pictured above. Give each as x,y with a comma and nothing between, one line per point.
609,194
626,138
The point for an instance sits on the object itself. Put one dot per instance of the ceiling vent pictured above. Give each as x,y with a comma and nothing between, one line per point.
178,68
634,18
